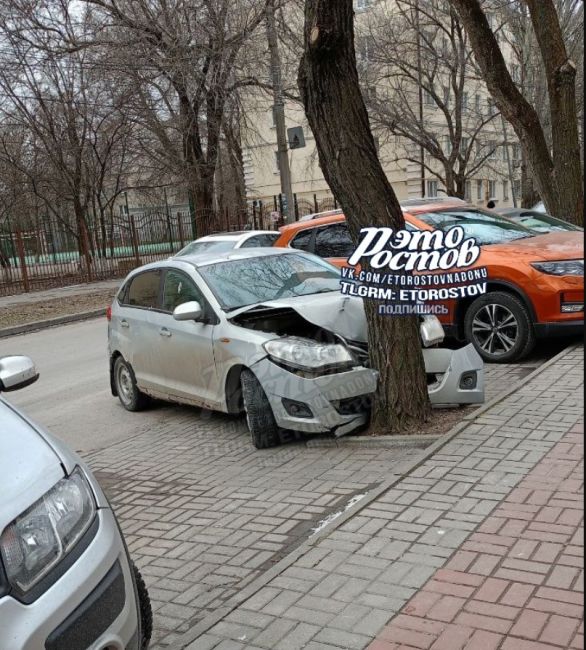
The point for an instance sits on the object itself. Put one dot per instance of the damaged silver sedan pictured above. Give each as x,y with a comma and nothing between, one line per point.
267,332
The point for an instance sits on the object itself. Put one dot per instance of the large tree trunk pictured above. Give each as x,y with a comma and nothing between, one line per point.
558,179
328,81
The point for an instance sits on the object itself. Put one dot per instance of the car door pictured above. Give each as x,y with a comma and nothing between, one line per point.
135,332
185,350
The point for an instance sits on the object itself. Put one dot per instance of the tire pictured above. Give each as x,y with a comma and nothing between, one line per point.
500,328
263,428
145,609
125,382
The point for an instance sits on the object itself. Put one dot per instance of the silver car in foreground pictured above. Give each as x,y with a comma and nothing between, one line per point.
66,581
264,331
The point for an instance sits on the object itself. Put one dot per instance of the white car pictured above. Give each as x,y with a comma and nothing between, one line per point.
66,580
227,241
267,332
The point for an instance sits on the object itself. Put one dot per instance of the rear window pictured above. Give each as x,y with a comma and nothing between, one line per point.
200,247
485,228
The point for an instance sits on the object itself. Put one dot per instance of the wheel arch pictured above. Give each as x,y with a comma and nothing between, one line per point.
493,285
233,389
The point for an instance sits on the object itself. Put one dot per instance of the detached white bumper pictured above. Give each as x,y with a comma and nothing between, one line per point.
459,376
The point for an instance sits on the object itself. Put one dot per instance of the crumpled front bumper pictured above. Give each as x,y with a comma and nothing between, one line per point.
321,394
452,368
327,396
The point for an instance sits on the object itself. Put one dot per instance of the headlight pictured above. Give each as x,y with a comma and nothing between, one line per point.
564,267
305,354
40,538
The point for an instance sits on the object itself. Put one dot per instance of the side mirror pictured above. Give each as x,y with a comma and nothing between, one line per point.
16,373
188,311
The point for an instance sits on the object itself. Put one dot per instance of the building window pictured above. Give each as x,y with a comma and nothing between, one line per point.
364,50
479,190
517,189
447,95
432,189
492,189
464,102
516,73
492,150
478,104
506,190
361,5
428,99
491,107
516,152
464,144
277,168
447,145
468,191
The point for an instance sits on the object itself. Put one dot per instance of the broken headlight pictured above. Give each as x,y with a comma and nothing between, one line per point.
305,354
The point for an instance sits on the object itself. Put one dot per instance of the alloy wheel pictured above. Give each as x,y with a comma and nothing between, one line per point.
495,329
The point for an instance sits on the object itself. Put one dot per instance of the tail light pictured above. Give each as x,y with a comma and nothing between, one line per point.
109,314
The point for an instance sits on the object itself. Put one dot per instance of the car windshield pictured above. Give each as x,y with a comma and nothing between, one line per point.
210,246
254,280
485,228
541,221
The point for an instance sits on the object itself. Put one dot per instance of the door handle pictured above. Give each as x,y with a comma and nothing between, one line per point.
165,332
124,323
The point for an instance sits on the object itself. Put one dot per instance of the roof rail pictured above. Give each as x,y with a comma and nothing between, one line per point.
411,203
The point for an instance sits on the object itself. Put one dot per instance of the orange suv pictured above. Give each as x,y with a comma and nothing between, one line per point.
535,282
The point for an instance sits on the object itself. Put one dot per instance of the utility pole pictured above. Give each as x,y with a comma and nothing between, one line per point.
420,84
279,114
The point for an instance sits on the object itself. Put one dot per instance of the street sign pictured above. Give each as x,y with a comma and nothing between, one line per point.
296,137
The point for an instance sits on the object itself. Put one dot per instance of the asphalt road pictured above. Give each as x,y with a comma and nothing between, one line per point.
72,397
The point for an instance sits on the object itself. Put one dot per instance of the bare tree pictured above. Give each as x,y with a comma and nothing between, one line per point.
557,171
428,93
329,85
528,71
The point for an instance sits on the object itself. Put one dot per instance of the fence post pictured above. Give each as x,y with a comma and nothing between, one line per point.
227,219
180,228
22,258
169,227
315,204
134,239
296,207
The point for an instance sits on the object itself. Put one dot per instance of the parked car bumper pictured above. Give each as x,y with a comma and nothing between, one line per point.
567,328
459,376
330,398
93,605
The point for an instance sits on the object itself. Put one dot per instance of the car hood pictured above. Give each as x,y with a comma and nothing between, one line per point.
342,315
550,247
29,466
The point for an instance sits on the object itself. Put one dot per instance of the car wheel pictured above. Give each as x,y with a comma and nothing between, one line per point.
145,609
128,394
263,428
500,328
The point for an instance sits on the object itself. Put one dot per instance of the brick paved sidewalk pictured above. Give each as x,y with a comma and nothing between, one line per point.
477,548
518,582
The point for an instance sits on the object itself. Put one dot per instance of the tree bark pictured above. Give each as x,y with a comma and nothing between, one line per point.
558,178
328,81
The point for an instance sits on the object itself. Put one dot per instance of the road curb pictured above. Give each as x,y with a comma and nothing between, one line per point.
257,583
51,322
